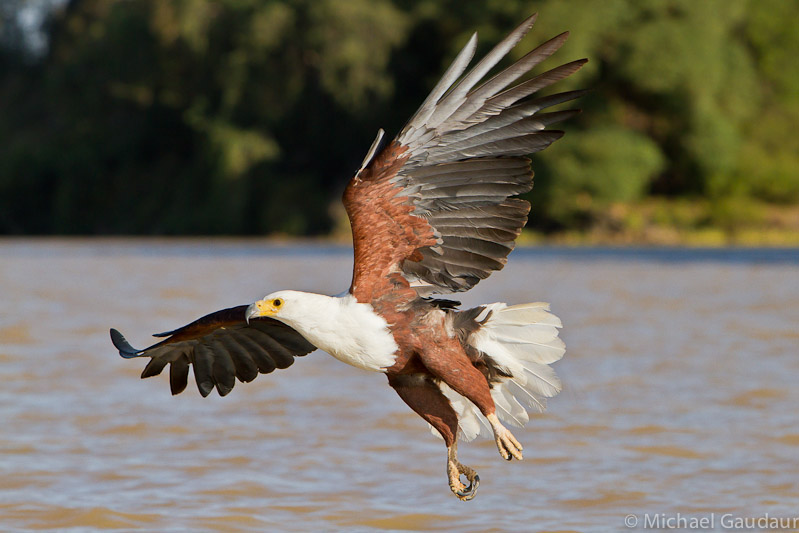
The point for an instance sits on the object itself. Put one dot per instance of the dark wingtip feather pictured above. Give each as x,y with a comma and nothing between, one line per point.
154,367
125,349
205,387
179,375
223,389
223,371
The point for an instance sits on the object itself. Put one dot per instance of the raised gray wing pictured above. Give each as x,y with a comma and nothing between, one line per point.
464,153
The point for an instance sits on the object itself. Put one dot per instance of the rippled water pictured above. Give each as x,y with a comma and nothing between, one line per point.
680,397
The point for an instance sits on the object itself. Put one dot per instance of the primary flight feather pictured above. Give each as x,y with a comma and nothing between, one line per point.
432,212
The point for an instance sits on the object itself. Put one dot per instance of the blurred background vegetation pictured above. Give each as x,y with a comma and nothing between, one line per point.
248,117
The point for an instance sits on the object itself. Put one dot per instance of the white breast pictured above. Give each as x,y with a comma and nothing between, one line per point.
349,331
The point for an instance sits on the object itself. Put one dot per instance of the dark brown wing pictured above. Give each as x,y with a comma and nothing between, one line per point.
435,206
221,347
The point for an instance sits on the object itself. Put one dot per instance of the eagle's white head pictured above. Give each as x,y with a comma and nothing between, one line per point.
291,307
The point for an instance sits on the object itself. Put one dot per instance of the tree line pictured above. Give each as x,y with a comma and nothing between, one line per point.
248,117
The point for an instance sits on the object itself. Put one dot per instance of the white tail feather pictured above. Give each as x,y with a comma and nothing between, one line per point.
522,340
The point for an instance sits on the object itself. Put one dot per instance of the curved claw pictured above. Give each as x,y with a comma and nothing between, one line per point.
464,493
471,491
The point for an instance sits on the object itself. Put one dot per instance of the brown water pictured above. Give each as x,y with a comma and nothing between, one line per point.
680,397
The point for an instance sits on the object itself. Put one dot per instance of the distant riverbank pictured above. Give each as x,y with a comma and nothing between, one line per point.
683,223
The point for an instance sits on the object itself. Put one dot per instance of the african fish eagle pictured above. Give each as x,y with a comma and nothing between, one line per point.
431,213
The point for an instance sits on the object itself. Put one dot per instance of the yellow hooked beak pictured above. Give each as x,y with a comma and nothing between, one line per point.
263,308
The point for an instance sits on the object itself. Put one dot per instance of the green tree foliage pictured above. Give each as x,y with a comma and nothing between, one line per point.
193,116
249,116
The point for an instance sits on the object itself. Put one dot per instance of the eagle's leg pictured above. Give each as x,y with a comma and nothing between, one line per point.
422,394
460,374
454,471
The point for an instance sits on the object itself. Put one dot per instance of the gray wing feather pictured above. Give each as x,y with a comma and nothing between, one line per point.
415,126
465,147
507,125
497,103
458,96
476,100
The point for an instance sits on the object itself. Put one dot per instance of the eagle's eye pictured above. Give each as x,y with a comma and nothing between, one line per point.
278,302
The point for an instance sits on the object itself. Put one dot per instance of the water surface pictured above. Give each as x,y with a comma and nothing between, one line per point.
680,397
